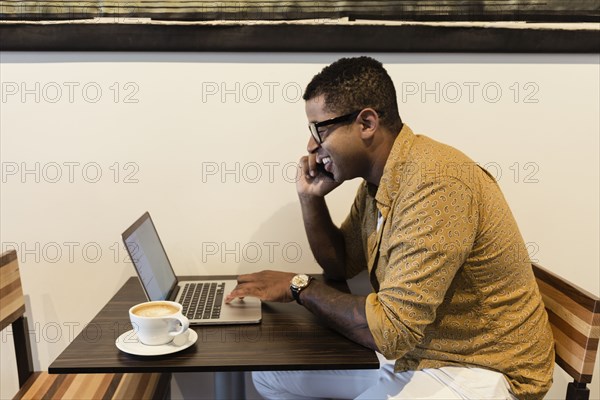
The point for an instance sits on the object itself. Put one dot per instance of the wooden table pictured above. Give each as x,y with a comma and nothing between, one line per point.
288,338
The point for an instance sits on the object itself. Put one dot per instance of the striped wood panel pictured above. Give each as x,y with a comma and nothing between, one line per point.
95,386
448,10
574,315
12,304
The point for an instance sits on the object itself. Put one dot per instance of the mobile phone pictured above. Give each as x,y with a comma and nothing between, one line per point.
321,169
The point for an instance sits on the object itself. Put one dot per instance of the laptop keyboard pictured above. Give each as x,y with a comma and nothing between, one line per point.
202,300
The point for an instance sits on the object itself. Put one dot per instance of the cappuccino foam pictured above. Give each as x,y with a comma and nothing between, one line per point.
155,310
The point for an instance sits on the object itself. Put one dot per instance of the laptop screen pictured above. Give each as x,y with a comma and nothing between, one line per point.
149,257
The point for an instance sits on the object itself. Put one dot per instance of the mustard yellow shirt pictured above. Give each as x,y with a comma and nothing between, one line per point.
453,284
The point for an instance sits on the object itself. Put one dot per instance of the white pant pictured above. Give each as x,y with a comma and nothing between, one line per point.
445,383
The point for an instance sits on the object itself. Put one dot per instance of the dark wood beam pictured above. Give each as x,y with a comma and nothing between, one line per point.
293,38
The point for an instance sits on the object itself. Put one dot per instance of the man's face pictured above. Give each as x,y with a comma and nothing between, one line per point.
340,152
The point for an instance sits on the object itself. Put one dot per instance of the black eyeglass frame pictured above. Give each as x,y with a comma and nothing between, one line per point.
313,127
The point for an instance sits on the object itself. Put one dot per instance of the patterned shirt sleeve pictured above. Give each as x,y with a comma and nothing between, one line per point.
352,229
427,236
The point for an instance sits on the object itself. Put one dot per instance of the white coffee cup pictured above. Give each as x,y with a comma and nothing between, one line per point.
158,322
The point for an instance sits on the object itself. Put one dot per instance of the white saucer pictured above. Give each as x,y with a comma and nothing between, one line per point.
129,343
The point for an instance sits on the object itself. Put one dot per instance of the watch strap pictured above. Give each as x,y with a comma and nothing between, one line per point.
296,290
296,293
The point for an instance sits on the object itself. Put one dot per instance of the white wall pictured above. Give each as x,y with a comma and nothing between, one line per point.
166,129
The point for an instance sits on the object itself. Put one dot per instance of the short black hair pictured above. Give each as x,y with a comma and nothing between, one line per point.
351,84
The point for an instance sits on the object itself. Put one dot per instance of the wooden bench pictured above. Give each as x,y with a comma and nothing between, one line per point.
574,315
38,385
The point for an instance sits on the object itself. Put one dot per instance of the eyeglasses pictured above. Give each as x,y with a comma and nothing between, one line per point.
314,126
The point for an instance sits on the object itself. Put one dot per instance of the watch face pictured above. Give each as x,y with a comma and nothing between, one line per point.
300,280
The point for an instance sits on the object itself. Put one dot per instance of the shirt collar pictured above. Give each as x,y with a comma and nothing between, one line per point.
391,177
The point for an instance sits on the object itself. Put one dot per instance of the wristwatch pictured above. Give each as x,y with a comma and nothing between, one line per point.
298,283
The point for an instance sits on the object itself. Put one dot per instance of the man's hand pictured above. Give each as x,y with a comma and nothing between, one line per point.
344,312
312,181
266,285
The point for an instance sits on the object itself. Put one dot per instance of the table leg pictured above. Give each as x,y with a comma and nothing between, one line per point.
230,385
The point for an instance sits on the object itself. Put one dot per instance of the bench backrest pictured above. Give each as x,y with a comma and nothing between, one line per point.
12,302
12,312
574,315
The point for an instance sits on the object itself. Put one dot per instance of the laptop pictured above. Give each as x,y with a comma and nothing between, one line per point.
202,301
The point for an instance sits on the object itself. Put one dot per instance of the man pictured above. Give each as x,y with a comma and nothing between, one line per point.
455,312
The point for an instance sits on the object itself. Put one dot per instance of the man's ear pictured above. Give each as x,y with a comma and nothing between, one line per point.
369,123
